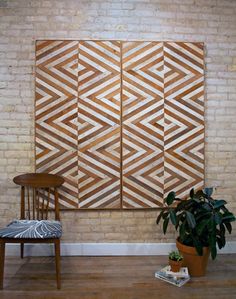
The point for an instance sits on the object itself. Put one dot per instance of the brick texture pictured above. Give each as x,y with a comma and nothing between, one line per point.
22,22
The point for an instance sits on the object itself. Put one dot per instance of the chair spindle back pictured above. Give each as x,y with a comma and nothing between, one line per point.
39,195
35,202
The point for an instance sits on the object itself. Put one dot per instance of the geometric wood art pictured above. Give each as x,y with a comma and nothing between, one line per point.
184,117
99,124
142,119
56,114
122,122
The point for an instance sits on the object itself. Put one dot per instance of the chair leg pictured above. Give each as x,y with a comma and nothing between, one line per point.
2,260
57,260
22,250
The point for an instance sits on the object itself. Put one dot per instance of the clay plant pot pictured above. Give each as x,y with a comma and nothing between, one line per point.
196,264
175,265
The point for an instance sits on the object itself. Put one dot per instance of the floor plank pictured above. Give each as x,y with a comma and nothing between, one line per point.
113,277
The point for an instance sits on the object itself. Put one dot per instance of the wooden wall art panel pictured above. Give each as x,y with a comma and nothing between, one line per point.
99,124
56,115
122,122
184,117
143,131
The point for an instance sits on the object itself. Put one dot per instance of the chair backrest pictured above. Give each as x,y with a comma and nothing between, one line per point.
37,191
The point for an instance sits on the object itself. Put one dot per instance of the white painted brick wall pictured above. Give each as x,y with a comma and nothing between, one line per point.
22,22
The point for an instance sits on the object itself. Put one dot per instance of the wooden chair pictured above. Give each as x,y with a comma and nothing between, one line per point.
37,191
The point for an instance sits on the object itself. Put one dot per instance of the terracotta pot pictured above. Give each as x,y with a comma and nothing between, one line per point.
196,264
175,265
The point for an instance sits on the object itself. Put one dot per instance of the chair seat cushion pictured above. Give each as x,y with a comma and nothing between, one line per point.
32,229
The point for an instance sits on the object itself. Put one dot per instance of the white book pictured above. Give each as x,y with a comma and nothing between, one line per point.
176,278
182,273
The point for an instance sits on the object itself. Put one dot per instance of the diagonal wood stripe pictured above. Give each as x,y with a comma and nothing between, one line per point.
56,115
143,110
99,124
184,117
122,122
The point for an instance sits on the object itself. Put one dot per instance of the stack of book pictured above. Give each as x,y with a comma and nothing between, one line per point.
176,278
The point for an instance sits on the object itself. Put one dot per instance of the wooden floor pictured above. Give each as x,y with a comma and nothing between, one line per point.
113,277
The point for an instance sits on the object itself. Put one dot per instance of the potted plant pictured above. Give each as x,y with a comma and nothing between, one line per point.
175,261
201,222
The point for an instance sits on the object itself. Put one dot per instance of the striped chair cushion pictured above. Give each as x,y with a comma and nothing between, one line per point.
41,229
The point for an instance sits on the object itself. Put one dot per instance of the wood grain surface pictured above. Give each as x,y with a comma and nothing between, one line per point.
142,119
56,113
122,122
99,124
113,278
184,117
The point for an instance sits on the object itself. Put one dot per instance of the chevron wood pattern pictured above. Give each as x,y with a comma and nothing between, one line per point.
56,114
99,124
184,117
143,131
122,122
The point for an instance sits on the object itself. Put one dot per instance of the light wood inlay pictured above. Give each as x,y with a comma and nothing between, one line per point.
184,117
56,115
143,131
122,122
99,124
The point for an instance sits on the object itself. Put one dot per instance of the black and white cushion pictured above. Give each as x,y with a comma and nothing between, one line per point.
41,229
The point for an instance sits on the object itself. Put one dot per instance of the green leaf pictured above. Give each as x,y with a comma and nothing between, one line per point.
173,217
218,218
182,232
165,224
211,224
178,199
202,215
222,229
213,251
181,205
170,198
189,204
199,194
218,203
206,206
228,217
197,200
220,241
190,219
179,219
208,191
201,226
212,237
159,217
191,193
224,209
228,226
213,246
223,241
197,245
166,214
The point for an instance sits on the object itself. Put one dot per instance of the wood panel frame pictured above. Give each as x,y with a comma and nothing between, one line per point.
186,49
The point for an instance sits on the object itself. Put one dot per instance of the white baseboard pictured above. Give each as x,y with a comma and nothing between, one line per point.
103,249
